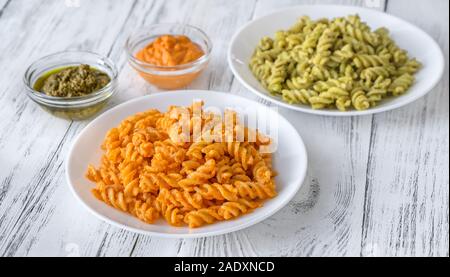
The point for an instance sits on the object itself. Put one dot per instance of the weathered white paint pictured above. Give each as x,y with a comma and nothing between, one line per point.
377,185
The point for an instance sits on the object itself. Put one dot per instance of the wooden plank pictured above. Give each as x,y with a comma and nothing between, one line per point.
236,244
325,218
183,247
407,191
141,15
32,142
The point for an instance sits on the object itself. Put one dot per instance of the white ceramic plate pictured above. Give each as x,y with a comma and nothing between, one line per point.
409,37
290,160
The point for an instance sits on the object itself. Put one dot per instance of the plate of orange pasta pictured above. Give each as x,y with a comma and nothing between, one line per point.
187,164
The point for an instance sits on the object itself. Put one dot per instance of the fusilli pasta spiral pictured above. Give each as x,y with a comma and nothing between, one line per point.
147,174
297,62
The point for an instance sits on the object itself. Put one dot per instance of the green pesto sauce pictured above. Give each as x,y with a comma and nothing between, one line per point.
72,81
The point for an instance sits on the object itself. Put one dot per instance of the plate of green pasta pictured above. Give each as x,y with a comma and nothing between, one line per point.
335,60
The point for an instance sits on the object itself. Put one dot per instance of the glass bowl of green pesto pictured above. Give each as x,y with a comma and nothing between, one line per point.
73,85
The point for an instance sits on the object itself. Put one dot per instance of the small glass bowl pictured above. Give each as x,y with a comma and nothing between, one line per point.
72,108
168,77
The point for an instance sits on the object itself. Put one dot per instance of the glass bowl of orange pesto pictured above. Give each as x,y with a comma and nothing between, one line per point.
169,56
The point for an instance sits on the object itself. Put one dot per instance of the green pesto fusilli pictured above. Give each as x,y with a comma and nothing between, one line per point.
339,63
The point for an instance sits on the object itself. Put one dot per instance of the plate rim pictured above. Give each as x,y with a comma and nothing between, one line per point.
231,229
380,109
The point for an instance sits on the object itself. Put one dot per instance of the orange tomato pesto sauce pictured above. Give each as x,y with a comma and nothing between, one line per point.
170,51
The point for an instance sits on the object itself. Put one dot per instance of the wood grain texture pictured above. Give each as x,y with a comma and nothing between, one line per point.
376,185
326,216
407,195
33,144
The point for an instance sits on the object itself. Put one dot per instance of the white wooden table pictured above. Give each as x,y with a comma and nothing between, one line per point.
377,185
